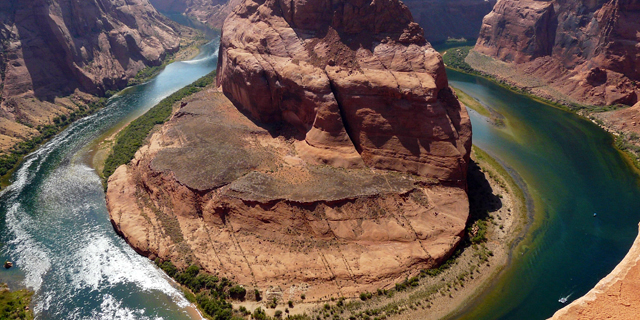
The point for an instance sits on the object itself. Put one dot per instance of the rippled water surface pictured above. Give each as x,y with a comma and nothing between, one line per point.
572,171
56,227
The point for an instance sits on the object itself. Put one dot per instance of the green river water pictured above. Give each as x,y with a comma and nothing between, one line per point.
55,224
571,171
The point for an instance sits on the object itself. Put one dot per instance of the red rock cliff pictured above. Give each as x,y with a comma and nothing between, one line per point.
52,48
357,78
589,51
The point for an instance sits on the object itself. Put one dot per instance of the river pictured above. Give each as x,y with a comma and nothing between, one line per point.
571,171
56,228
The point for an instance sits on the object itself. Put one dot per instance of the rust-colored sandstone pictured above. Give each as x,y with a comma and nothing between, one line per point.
616,297
337,165
578,51
72,49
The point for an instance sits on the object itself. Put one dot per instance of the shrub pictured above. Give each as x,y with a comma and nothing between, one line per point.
237,292
131,138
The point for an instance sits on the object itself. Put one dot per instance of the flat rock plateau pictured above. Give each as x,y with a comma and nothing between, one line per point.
331,159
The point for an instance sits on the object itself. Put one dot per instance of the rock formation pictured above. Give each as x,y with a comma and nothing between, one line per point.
615,297
444,19
586,50
338,165
51,49
441,19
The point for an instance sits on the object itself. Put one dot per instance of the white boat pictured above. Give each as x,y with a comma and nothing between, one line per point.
563,300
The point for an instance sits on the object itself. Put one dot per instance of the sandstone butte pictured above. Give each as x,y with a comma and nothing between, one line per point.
616,297
336,165
58,54
586,51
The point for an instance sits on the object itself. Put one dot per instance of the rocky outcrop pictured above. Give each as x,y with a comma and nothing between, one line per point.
615,297
445,19
338,166
363,88
588,51
209,12
51,49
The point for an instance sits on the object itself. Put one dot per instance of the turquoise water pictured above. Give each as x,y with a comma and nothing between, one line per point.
572,171
55,225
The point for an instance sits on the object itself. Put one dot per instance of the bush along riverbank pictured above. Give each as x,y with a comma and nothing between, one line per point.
11,159
132,137
626,142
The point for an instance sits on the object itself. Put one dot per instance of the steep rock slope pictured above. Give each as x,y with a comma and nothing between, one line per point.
51,49
444,19
340,166
588,51
615,297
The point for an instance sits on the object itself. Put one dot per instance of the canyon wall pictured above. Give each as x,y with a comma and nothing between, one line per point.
441,19
333,161
445,19
588,51
73,49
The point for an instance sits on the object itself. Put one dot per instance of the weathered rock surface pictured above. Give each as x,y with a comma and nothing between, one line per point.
216,189
51,49
340,166
363,88
616,297
444,19
625,120
588,51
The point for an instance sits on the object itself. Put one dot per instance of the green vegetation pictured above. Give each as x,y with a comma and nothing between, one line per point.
209,292
14,304
453,43
454,58
131,138
10,160
627,145
472,103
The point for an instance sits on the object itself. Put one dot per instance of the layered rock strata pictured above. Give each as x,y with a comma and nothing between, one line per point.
586,51
65,48
615,297
337,166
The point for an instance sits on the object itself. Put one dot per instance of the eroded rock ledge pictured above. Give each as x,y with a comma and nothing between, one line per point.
340,166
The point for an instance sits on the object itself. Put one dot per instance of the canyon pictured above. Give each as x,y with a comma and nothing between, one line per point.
567,51
441,19
59,55
330,160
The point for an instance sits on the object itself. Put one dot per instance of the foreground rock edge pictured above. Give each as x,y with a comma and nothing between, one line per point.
614,297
